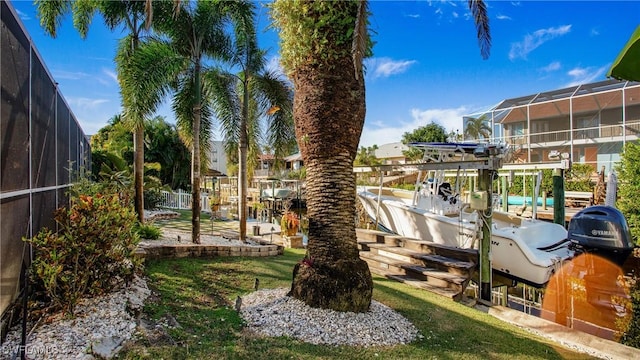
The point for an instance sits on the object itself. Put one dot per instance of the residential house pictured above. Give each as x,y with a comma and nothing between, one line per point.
588,122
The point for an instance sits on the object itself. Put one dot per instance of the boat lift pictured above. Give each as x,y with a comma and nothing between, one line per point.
487,161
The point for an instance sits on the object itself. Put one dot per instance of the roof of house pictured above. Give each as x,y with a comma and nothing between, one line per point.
392,150
294,157
266,157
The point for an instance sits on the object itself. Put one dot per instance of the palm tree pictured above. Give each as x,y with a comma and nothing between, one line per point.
317,51
322,46
477,128
131,15
241,100
191,38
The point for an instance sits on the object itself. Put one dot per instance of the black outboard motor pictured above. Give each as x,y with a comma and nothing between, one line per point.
602,230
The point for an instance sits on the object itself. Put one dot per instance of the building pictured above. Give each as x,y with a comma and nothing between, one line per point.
392,153
217,159
589,122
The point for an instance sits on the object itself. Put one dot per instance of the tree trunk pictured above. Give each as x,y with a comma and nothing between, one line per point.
138,171
242,160
329,111
195,160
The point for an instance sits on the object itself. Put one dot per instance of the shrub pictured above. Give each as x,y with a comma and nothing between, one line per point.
630,325
147,231
152,198
91,254
628,170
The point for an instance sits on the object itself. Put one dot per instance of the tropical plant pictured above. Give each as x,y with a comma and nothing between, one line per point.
131,14
366,156
191,37
241,100
431,132
322,47
289,223
163,146
628,170
92,253
147,231
477,128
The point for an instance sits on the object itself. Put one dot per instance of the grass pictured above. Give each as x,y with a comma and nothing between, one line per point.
199,294
207,227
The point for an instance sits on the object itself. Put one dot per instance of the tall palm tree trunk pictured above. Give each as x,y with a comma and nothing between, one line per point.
138,171
329,104
195,159
243,148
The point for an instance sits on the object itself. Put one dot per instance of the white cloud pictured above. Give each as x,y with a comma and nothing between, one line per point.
586,75
385,67
23,15
69,75
552,67
414,16
533,41
111,74
503,17
81,103
377,132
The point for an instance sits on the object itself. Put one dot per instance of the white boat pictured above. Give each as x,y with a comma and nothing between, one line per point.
526,250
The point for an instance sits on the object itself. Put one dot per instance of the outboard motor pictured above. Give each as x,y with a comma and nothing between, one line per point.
602,230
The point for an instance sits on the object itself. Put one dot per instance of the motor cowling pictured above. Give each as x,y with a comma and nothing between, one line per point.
603,230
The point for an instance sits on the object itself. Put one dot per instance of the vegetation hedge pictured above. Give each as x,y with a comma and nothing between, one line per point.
91,254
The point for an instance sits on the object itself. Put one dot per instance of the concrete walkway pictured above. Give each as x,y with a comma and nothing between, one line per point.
573,339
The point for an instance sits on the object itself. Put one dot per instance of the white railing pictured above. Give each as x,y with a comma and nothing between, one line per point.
182,200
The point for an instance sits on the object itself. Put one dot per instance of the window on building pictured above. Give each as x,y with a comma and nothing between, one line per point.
587,127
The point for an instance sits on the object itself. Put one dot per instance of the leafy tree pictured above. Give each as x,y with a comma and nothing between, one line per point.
366,157
164,146
322,47
242,100
131,15
114,138
477,129
191,39
628,170
429,133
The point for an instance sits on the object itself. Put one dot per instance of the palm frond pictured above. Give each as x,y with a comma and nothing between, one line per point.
82,13
51,13
360,38
144,74
479,12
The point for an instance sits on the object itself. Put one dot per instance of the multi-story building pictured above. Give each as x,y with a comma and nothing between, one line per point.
590,122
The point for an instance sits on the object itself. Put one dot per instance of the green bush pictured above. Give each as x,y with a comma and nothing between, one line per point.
152,198
630,325
628,170
91,254
147,231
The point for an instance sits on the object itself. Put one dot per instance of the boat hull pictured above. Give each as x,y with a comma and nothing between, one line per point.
516,243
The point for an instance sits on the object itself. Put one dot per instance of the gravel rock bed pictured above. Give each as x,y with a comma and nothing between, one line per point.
270,312
100,327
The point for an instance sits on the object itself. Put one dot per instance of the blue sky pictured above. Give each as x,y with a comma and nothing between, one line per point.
426,65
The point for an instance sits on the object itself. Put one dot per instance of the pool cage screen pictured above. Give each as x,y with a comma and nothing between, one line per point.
42,151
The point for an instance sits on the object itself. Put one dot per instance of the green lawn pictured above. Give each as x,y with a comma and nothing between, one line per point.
199,294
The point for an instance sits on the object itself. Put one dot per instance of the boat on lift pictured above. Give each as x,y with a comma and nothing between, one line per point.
523,249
